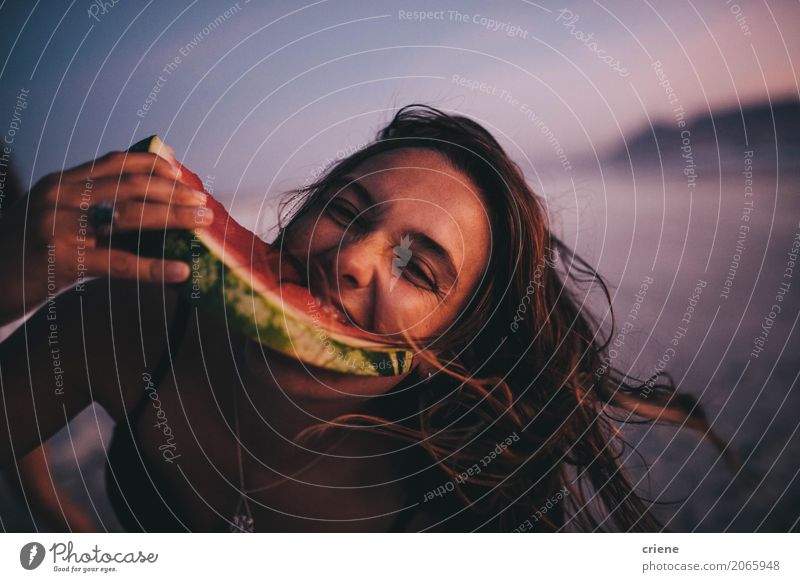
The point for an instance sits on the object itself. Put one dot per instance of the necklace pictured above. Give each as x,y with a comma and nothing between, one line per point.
243,521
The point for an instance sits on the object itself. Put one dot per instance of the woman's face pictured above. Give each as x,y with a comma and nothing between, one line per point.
403,242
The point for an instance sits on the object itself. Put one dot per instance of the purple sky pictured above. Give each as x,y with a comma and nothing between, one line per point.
260,99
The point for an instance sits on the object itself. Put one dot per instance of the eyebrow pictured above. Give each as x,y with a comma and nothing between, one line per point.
419,239
364,196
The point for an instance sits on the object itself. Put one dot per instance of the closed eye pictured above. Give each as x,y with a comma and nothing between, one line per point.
419,276
343,212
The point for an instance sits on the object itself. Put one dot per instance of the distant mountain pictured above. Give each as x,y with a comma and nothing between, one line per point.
725,133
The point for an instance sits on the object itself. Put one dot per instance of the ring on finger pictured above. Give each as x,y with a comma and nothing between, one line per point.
102,216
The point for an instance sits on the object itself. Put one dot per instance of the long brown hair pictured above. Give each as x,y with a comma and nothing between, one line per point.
518,427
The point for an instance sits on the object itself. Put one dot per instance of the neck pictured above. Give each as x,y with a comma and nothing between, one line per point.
278,402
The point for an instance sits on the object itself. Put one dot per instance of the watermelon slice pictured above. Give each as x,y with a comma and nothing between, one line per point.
235,275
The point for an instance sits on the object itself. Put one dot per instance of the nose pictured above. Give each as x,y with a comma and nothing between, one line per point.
344,274
357,261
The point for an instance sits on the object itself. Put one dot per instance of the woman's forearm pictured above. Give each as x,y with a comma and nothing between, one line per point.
43,377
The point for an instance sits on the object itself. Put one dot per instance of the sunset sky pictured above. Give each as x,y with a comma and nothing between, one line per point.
262,95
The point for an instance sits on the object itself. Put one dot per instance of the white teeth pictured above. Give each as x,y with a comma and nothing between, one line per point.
329,309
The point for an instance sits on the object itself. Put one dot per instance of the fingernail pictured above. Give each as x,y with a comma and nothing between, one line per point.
201,197
177,171
176,272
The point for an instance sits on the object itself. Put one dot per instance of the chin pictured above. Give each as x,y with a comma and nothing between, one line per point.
301,380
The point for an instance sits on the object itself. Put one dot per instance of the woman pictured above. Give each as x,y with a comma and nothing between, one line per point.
429,233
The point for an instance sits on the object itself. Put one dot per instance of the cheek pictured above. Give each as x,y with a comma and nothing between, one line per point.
419,312
430,315
311,234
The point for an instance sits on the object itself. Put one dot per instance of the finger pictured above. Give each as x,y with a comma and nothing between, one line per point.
120,162
145,215
123,265
72,226
137,187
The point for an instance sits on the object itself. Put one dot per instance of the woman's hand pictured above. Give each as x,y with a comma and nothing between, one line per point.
49,242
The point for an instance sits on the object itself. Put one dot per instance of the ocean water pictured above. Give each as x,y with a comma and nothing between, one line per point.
725,281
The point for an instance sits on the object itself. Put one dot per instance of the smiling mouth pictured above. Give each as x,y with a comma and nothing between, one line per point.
332,307
333,310
295,274
329,308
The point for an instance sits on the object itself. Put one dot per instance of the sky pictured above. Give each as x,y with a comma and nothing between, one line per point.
256,96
